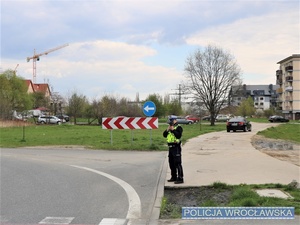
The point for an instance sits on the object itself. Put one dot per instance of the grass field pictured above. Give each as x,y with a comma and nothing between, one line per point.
95,137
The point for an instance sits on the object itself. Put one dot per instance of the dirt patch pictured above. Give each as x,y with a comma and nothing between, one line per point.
195,196
282,150
14,123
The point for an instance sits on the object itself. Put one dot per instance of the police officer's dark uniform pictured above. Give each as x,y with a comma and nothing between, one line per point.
173,134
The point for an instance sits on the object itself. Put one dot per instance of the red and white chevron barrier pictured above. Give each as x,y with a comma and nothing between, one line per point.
129,123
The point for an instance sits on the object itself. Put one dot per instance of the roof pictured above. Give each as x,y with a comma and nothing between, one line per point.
289,58
43,88
251,88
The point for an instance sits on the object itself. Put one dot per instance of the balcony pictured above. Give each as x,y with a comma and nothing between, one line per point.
279,81
279,90
289,68
278,100
288,98
278,72
289,79
290,88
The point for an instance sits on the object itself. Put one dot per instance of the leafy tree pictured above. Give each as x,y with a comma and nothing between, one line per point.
77,105
109,106
39,99
246,108
174,108
211,73
13,94
157,100
269,112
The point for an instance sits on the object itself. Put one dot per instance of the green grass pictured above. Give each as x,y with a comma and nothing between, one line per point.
95,137
246,196
287,131
241,196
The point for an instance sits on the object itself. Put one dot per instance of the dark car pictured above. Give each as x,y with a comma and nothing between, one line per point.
63,117
206,118
278,119
238,123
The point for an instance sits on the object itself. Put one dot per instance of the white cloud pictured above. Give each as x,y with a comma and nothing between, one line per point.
100,67
258,43
125,47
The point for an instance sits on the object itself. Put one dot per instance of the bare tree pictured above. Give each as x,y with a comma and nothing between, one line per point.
211,74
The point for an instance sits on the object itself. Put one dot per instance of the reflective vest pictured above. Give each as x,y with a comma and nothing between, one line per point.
171,137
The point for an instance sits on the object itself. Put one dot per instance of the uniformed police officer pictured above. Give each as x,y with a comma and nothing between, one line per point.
173,134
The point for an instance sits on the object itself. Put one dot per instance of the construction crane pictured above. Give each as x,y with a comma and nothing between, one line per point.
36,57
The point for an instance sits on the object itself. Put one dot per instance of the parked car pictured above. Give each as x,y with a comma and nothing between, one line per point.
222,118
182,120
63,116
278,119
49,120
238,123
206,118
194,118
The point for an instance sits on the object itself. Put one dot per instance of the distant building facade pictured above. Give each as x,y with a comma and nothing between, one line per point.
288,79
264,96
43,88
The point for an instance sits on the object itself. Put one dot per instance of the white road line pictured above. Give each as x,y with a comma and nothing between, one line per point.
112,221
134,210
57,220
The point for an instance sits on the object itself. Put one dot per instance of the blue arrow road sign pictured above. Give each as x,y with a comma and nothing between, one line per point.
149,108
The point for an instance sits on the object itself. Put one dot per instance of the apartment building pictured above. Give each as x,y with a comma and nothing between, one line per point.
264,96
288,79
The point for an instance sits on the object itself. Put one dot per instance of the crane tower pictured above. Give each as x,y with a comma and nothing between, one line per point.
36,57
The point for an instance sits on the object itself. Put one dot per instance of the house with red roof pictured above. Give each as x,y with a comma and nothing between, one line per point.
33,88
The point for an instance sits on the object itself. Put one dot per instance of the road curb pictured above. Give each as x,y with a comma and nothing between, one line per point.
160,193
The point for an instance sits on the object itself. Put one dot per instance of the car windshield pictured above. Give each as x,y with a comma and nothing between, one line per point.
237,119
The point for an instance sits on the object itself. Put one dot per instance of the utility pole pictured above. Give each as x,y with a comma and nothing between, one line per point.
179,93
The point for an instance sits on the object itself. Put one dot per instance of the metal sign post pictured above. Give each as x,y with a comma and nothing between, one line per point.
149,109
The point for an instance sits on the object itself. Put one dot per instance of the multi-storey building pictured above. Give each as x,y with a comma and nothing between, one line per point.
264,96
288,79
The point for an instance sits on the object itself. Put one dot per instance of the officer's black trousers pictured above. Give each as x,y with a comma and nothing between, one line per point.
175,163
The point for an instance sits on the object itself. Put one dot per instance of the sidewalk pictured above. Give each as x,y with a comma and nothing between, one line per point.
229,158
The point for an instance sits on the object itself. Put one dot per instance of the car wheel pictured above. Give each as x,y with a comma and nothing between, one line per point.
42,122
245,129
228,130
58,123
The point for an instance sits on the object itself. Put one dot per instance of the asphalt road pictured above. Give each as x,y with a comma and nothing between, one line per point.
77,186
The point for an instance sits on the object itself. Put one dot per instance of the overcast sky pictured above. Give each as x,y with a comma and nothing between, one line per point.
122,47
